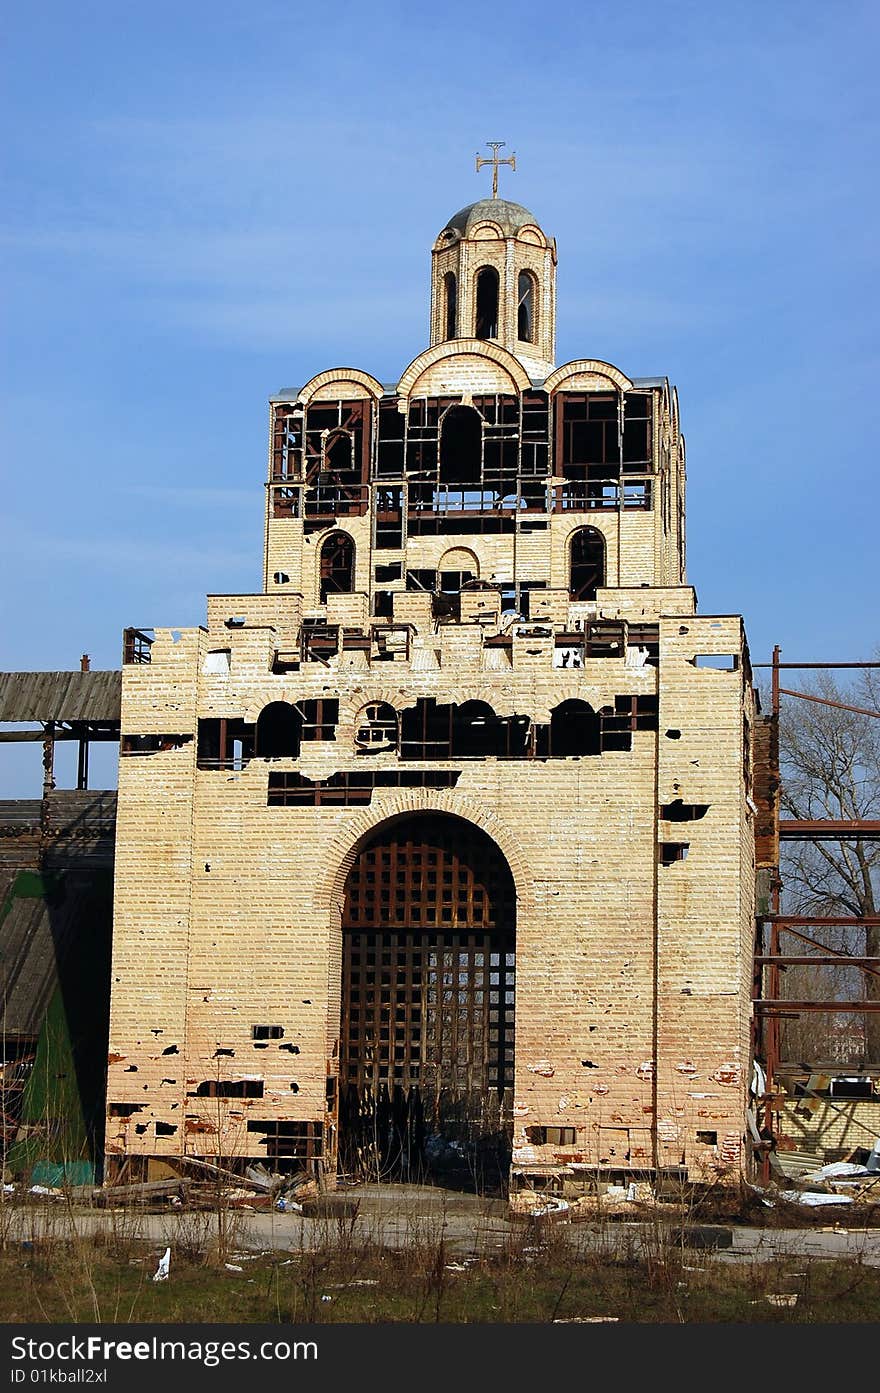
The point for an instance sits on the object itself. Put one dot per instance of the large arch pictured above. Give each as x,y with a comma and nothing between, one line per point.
345,379
464,348
426,1055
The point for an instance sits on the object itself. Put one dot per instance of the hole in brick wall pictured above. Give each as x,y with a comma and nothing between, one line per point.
228,1053
679,811
166,1129
673,851
125,1109
673,735
708,1138
267,1032
229,1088
171,1049
721,662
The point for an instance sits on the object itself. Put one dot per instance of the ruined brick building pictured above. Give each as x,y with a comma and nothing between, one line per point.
439,851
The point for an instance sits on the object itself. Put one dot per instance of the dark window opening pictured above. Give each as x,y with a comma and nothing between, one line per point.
384,574
451,293
279,731
525,314
224,743
336,459
708,1138
486,324
152,744
461,444
673,851
166,1129
587,563
389,448
377,727
350,789
605,639
389,518
551,1136
229,1088
383,604
300,1141
287,440
421,578
432,731
679,811
337,565
267,1032
574,730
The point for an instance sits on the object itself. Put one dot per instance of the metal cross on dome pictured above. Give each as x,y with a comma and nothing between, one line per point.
493,160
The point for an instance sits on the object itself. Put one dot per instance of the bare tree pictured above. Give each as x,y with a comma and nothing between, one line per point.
830,762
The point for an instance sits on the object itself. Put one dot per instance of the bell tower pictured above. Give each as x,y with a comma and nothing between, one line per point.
493,278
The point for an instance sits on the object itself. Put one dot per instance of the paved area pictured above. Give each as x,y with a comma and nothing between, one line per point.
401,1216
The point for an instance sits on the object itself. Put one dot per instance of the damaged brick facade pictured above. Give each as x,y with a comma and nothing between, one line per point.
441,849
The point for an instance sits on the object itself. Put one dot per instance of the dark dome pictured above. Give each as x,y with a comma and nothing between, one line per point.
509,216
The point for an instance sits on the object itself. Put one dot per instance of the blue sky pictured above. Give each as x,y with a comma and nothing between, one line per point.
203,203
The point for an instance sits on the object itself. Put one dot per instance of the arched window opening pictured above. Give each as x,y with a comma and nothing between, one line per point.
574,729
279,731
337,566
461,446
486,326
429,926
376,727
587,570
525,312
451,288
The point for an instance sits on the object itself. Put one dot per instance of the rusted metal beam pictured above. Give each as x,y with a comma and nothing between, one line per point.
828,829
786,921
825,701
816,960
799,666
771,1006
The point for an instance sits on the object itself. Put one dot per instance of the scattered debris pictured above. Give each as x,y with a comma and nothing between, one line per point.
161,1273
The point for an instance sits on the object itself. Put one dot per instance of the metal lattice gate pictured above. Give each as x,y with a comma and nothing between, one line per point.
427,1046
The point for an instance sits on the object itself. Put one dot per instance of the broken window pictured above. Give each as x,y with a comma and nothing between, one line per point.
224,743
350,788
432,731
450,287
279,731
136,645
389,518
376,727
152,744
586,563
673,851
337,452
461,446
389,448
637,439
525,313
721,662
337,565
605,639
287,441
301,1141
486,322
229,1088
679,811
574,729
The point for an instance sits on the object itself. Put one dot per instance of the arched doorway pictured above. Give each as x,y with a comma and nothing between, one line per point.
427,1038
